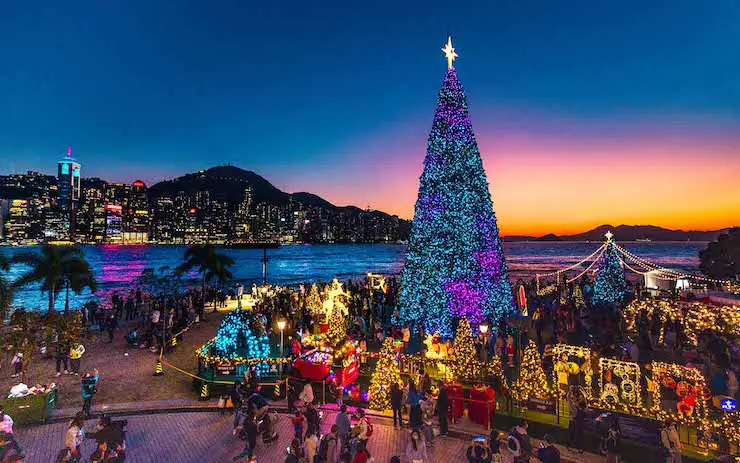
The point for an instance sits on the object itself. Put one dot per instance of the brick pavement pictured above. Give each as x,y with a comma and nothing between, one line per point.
205,437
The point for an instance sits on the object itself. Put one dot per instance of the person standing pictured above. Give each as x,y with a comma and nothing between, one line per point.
250,438
577,422
61,355
89,384
344,425
670,442
310,445
328,448
412,400
76,350
396,403
298,421
111,326
75,435
416,449
312,419
443,405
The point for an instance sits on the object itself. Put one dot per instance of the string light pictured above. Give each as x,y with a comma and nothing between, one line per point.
532,381
386,373
463,352
455,265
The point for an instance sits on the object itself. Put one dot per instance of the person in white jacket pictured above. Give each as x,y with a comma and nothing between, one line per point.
75,435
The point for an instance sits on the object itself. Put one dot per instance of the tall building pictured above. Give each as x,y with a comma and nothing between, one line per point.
92,214
136,216
17,226
68,175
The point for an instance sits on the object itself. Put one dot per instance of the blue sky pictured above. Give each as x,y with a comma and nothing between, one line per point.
306,92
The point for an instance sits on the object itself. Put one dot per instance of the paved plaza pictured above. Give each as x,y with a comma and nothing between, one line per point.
201,437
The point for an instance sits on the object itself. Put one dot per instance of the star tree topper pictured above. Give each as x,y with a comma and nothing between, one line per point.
609,235
449,52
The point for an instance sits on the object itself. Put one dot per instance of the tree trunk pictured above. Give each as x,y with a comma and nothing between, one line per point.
51,298
203,299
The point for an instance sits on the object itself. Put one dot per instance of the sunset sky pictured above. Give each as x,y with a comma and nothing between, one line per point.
585,112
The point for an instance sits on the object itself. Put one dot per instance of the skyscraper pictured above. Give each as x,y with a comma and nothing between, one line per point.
136,217
68,176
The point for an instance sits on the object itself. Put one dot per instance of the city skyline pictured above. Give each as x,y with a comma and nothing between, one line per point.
605,115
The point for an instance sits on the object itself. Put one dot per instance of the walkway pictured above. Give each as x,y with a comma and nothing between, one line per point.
205,437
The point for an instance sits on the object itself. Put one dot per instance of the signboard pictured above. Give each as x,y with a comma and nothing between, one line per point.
541,405
728,405
226,369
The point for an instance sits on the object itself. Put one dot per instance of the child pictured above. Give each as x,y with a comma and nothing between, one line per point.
17,364
298,425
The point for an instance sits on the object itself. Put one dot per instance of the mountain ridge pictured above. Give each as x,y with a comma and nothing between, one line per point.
627,233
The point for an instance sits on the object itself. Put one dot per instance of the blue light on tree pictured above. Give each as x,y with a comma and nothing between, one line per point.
455,265
610,284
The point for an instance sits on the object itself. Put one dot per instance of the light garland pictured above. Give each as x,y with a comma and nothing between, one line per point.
386,373
696,317
562,354
532,381
455,266
628,389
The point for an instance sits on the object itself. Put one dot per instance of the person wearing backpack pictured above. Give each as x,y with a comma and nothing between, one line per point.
520,446
328,447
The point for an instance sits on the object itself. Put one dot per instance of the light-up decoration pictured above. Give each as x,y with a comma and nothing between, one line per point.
449,52
455,265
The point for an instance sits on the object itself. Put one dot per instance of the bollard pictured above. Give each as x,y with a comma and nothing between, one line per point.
276,393
204,391
158,370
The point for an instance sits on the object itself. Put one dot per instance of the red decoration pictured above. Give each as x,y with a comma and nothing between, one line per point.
684,408
312,371
455,394
683,389
669,382
481,411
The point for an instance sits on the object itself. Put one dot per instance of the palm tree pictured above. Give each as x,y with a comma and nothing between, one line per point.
6,291
56,268
220,275
207,262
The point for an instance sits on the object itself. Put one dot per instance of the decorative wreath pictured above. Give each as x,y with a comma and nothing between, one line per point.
628,387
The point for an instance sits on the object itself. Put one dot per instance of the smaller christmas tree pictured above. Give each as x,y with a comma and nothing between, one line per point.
532,380
463,359
313,300
386,373
337,331
609,285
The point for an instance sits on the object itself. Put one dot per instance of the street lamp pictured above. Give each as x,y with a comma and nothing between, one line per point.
483,327
281,327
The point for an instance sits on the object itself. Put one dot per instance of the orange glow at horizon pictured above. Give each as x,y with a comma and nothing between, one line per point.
545,183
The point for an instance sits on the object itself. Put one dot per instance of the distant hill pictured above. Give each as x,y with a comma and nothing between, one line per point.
628,233
227,183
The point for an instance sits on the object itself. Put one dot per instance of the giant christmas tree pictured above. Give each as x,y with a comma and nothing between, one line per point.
455,265
609,285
